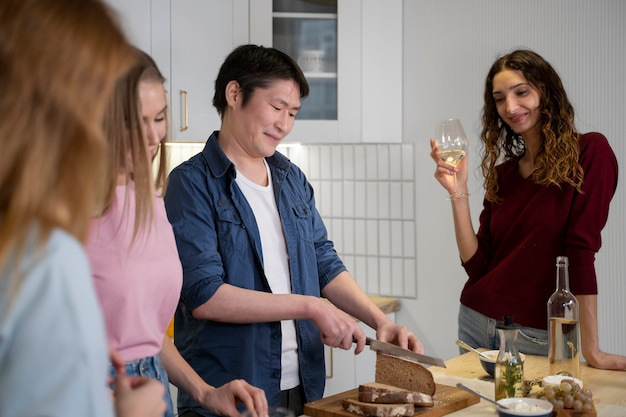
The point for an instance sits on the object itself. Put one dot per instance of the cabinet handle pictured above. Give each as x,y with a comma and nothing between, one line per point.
332,367
184,113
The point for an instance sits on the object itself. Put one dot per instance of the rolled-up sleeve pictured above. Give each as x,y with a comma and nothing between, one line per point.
191,213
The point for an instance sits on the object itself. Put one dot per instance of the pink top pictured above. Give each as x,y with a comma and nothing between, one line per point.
138,286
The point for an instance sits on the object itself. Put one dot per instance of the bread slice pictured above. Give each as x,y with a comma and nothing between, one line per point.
377,410
374,392
403,373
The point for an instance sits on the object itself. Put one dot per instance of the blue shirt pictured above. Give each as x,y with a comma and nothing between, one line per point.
218,242
53,352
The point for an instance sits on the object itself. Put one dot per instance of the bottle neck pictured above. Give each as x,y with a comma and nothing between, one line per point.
562,278
508,340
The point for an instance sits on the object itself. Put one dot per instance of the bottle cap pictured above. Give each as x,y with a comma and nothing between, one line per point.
508,324
562,260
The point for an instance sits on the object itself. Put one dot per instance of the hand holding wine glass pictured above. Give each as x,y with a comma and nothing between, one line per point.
451,142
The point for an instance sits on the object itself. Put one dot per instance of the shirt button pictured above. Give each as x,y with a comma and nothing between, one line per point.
276,335
276,374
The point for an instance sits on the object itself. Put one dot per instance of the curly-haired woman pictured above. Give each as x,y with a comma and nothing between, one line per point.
547,193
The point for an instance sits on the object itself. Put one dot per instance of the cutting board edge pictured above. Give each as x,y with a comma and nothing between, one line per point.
468,400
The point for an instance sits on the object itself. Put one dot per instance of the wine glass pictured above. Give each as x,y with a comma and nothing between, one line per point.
452,142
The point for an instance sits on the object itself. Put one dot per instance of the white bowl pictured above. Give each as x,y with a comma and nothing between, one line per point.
525,407
555,380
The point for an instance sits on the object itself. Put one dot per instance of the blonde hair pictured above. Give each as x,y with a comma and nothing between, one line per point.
129,154
150,73
59,60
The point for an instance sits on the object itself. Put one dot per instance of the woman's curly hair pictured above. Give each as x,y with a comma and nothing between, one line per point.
557,160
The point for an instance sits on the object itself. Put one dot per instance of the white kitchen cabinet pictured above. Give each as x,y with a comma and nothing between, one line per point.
368,72
189,40
194,37
134,18
345,370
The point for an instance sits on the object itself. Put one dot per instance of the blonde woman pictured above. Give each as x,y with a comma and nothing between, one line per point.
133,253
59,60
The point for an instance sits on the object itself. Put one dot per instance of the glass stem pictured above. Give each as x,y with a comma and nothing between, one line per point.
456,192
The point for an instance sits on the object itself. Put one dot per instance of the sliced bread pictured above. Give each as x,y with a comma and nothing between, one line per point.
403,373
374,392
377,410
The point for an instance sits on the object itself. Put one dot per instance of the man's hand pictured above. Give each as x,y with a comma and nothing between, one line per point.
401,336
337,328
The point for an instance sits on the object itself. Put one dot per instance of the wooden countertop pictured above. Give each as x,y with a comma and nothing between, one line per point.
608,387
386,304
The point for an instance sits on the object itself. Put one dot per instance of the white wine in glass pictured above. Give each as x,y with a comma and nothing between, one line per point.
452,142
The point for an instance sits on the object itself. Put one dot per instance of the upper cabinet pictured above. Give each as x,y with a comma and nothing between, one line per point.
350,51
198,36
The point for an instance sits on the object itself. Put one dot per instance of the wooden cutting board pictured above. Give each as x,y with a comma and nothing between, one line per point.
447,399
572,413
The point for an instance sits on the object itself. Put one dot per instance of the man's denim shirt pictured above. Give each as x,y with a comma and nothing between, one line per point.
218,242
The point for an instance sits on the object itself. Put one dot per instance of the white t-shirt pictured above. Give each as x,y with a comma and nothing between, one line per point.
53,353
275,265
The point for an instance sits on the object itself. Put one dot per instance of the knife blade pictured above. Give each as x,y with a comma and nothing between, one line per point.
394,350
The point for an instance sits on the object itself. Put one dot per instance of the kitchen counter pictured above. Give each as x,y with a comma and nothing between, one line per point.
386,304
608,387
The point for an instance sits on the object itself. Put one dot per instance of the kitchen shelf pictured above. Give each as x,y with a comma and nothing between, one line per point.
287,15
320,75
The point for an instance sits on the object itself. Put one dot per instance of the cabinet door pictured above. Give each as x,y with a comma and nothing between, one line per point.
325,127
368,71
203,33
134,18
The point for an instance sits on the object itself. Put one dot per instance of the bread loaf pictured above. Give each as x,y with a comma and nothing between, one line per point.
374,392
403,373
377,410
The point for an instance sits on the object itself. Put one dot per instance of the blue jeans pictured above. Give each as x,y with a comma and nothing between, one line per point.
478,330
150,367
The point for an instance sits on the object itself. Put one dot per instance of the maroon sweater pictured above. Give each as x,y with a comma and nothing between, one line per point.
513,271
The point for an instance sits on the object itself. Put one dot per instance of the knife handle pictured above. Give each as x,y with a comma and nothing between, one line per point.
368,340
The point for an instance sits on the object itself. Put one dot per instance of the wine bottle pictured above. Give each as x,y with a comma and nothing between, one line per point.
563,325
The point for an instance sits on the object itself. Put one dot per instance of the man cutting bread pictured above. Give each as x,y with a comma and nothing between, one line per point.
255,253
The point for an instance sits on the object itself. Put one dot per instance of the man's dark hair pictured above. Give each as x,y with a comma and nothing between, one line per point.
254,66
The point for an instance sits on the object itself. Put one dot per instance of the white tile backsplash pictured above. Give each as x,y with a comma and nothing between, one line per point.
384,201
408,165
372,238
366,195
383,162
371,161
371,192
396,199
326,163
347,155
395,162
349,199
360,165
385,275
384,235
337,198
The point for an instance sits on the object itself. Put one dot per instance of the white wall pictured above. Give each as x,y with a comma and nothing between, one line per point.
448,48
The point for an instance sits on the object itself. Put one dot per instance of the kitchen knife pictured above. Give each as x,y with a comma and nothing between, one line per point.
394,350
